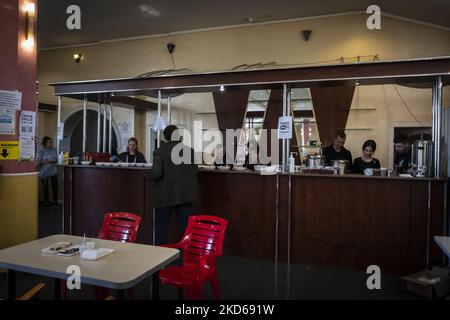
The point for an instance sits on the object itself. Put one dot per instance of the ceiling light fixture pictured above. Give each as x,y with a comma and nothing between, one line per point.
30,14
222,88
306,34
77,57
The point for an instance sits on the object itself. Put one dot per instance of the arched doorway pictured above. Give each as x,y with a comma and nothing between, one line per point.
73,133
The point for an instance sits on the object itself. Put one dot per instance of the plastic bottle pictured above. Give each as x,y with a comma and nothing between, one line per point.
61,158
66,158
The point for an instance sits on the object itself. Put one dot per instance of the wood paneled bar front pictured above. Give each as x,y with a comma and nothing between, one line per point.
336,221
347,221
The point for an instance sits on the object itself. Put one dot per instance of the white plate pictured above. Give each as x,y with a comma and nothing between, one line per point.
405,175
259,168
239,168
124,164
224,168
85,163
100,164
206,167
108,164
56,247
148,165
115,164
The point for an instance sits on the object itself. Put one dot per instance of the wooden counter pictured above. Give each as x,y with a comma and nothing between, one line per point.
347,221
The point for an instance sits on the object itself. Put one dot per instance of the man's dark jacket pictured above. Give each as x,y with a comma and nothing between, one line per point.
174,183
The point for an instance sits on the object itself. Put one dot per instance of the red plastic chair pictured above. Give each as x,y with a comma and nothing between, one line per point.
201,243
118,226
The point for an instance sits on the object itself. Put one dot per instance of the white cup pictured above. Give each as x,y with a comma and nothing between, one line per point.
90,245
383,172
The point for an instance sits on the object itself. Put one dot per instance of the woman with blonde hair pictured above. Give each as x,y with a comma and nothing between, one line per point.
132,154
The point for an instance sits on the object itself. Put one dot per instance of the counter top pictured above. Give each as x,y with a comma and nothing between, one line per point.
346,176
91,166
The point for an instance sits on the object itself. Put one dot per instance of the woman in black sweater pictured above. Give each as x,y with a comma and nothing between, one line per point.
366,160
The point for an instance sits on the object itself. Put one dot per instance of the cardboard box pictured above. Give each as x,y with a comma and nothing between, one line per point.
430,284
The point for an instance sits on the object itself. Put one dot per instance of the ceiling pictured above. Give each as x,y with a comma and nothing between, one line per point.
109,20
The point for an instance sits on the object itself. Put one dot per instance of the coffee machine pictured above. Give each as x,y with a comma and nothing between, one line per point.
422,158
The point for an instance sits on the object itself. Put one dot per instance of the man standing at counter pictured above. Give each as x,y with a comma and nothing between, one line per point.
337,151
175,185
402,160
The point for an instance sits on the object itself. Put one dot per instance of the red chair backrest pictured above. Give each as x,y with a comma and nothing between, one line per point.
204,236
120,226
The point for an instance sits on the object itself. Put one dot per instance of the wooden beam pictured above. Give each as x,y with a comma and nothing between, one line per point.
411,71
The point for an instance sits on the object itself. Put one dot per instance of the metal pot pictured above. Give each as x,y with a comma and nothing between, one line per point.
315,161
338,163
422,157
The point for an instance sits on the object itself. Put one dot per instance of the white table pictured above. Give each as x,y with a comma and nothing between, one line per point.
129,264
444,244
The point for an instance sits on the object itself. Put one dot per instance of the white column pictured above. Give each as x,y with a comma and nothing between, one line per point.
158,139
99,115
110,128
169,110
437,125
104,129
84,123
58,119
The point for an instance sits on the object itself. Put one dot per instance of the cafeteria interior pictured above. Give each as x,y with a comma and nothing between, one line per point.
311,156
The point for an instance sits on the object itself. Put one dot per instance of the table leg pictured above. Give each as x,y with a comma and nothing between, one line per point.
11,284
120,294
57,289
155,286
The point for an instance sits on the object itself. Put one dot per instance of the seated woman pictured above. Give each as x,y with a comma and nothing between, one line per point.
132,154
366,160
46,160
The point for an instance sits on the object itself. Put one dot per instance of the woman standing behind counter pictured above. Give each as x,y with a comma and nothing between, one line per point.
367,160
132,154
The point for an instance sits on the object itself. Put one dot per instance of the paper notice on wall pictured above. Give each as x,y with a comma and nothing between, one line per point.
60,135
10,99
7,121
27,148
285,127
27,124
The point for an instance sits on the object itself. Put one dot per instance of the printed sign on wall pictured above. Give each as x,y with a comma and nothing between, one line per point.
27,124
10,99
7,121
9,150
285,127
